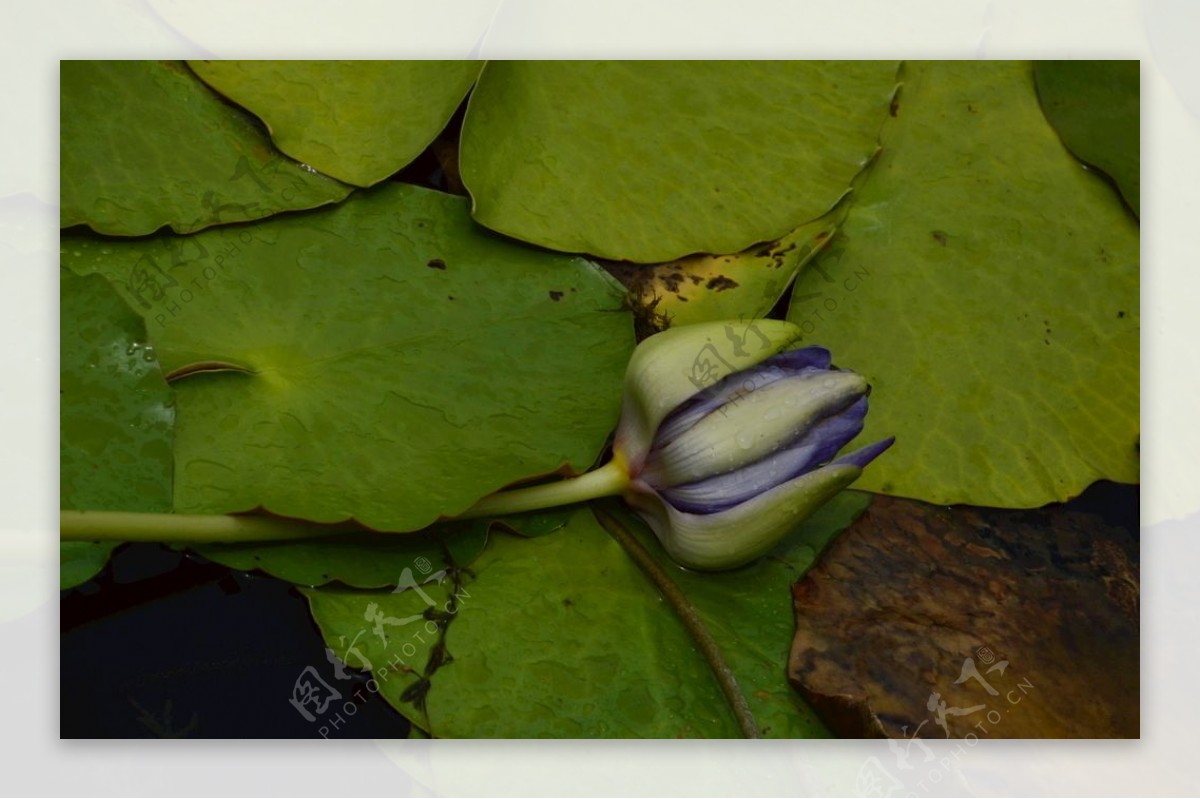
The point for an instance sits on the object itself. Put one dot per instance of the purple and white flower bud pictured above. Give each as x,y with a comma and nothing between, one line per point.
723,473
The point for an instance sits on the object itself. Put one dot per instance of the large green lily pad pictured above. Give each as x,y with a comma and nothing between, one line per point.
145,144
650,161
359,121
987,286
563,636
1095,107
385,360
115,416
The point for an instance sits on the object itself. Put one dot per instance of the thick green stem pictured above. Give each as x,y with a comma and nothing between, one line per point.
609,480
99,525
95,525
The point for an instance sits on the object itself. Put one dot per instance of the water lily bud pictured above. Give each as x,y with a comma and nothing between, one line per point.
729,439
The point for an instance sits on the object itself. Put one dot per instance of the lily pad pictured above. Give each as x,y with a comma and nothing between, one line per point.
563,636
709,288
987,287
115,416
1095,107
359,121
650,161
175,154
385,360
80,561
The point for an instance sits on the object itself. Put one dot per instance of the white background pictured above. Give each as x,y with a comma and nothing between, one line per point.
1162,33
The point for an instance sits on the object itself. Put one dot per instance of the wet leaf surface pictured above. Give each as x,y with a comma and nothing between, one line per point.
384,360
115,416
174,154
357,121
563,636
1095,107
949,622
987,287
651,161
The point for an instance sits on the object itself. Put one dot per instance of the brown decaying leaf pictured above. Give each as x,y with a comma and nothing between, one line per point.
926,621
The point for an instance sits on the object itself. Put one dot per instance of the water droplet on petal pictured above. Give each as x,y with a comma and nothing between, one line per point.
745,440
772,415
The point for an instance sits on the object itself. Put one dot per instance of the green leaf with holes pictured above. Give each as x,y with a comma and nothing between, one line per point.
649,161
115,416
145,144
987,286
384,360
359,121
1094,106
563,636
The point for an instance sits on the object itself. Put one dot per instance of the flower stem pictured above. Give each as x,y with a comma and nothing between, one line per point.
609,480
97,525
100,525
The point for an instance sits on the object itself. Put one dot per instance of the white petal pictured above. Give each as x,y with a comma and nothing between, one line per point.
749,429
671,366
733,537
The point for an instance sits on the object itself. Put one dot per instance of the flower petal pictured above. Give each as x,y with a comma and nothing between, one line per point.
864,455
776,367
749,429
815,447
669,367
742,533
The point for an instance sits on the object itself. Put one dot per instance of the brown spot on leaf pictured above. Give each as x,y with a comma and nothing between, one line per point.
556,295
436,263
720,283
672,281
940,236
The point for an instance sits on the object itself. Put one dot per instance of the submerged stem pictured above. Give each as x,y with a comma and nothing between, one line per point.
690,618
101,525
609,480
